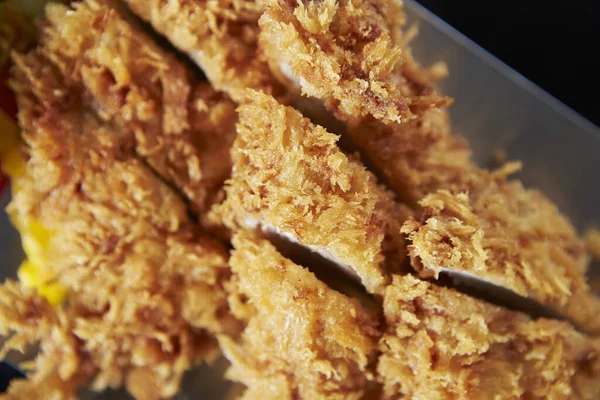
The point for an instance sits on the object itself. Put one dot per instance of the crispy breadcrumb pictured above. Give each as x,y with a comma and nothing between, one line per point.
441,344
417,157
347,53
355,58
508,235
290,176
220,36
146,289
302,339
180,126
421,156
121,141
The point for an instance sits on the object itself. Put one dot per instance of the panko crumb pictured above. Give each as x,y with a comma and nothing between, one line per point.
180,126
348,54
146,288
220,36
511,236
417,157
290,176
301,339
441,344
126,151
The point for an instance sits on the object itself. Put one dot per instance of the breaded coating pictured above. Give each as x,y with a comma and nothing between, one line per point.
302,339
355,58
146,289
510,236
416,157
60,369
347,53
441,344
56,130
220,36
290,176
180,126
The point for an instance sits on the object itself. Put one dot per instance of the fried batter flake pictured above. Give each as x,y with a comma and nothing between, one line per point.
347,53
146,287
441,344
302,339
180,126
220,36
511,236
289,176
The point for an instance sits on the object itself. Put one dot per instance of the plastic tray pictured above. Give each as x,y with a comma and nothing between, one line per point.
495,108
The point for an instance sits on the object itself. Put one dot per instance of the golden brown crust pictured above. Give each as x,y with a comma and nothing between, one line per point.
220,36
421,156
104,111
441,344
180,126
346,53
146,288
510,236
289,175
302,339
417,157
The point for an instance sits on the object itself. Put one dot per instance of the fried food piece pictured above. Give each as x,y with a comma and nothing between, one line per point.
290,177
347,53
416,157
356,59
302,339
510,236
146,289
440,344
180,126
220,36
32,319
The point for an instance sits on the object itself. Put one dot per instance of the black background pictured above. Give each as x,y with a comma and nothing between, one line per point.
554,43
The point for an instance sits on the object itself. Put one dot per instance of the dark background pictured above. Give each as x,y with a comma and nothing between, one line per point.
554,43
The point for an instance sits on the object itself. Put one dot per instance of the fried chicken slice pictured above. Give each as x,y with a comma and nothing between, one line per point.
441,344
146,288
510,236
356,59
181,127
301,339
220,36
418,157
347,53
291,178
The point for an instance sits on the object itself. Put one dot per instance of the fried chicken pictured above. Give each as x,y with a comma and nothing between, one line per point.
290,177
441,344
355,58
220,36
181,127
146,288
126,154
347,53
301,339
418,157
510,236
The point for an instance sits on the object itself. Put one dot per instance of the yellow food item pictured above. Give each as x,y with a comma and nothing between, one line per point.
34,236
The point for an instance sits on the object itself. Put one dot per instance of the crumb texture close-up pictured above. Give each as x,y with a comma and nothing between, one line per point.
275,187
